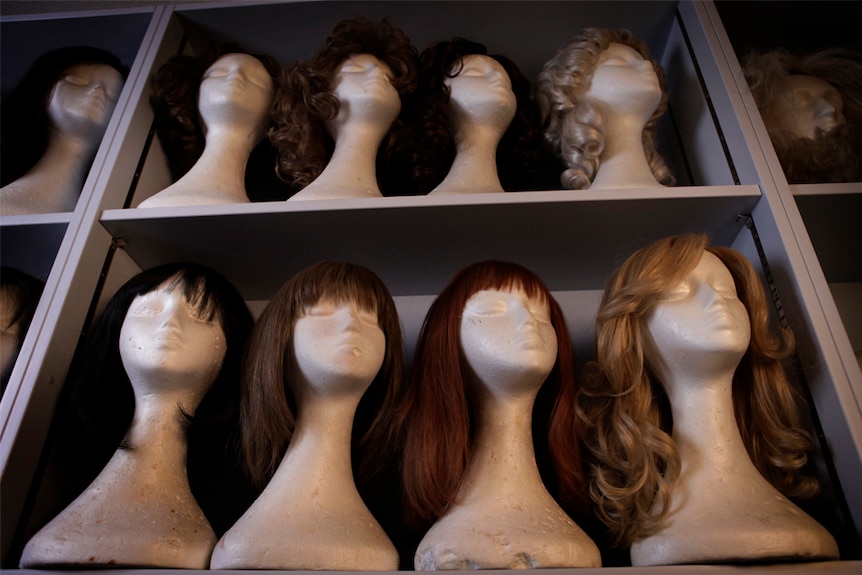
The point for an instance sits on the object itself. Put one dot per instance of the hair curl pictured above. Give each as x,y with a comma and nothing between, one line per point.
624,414
427,148
268,406
25,121
833,156
174,99
305,101
573,127
437,413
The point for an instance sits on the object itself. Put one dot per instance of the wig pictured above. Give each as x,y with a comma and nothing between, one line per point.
175,103
428,145
25,122
573,127
24,291
305,100
438,411
833,156
103,391
624,413
268,406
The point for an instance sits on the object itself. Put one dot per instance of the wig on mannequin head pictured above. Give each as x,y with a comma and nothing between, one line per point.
624,412
268,406
23,291
833,156
438,410
175,103
428,146
102,390
573,127
305,100
25,122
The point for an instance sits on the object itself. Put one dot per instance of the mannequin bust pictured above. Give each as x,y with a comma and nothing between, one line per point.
335,111
19,296
601,97
811,106
52,126
327,348
471,125
231,114
475,476
694,319
178,332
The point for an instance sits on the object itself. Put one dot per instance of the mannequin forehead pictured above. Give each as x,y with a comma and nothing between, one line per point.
8,304
477,63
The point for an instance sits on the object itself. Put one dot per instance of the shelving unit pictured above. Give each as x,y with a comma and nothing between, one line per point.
573,239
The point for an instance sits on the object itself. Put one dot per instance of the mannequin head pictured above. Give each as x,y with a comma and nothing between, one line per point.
57,93
575,102
439,408
102,386
811,106
19,296
279,348
623,404
308,102
455,76
189,92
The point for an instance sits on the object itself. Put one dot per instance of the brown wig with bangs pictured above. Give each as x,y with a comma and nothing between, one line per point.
267,405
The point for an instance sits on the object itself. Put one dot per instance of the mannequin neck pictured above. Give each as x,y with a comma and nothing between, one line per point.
319,454
352,170
474,169
158,426
624,163
503,454
219,174
705,428
54,183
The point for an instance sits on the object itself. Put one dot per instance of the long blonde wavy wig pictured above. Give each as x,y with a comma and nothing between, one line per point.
633,460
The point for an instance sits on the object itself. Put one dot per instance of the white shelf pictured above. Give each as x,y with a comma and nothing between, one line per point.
572,239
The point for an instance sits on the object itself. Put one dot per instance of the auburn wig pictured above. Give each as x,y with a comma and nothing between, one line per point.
438,412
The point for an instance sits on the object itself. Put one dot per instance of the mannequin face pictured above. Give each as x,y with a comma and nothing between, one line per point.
507,340
83,99
165,340
807,105
482,91
236,89
701,317
10,333
338,348
364,90
624,80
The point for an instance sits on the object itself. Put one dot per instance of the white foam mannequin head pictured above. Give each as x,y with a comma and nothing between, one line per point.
338,349
168,346
83,99
807,105
236,90
79,108
481,93
365,93
508,341
699,327
624,83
